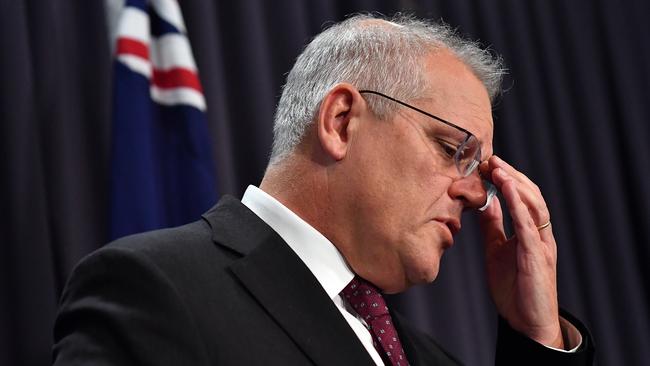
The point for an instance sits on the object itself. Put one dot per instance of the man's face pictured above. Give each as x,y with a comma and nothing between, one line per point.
404,194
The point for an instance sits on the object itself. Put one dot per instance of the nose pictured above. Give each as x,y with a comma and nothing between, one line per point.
469,190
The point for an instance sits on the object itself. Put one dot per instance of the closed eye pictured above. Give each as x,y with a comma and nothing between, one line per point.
447,147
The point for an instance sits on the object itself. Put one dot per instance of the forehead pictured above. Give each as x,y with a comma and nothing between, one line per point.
458,96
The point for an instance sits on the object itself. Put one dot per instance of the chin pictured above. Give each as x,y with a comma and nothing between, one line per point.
425,276
422,273
420,258
413,277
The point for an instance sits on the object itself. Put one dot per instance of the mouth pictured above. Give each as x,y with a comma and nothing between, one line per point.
452,225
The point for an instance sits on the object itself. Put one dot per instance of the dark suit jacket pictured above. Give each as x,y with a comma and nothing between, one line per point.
225,290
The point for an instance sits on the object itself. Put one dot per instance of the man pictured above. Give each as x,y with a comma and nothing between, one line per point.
382,134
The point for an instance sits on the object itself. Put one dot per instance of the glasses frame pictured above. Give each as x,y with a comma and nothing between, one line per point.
476,159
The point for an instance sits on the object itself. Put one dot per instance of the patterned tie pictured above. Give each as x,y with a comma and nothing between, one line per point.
370,305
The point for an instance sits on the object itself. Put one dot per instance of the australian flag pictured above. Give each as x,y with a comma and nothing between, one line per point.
162,172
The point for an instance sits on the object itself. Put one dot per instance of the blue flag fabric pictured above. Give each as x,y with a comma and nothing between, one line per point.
162,172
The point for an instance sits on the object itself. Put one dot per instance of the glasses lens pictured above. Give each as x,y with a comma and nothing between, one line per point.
468,156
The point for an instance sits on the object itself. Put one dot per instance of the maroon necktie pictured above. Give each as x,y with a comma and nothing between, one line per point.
370,305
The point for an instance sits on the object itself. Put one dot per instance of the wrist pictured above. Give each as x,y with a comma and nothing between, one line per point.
558,342
551,338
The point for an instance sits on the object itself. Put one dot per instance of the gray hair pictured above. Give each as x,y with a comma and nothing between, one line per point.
370,53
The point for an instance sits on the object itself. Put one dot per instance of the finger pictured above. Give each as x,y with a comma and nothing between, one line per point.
497,162
491,224
525,185
539,215
546,234
532,198
484,168
522,221
529,191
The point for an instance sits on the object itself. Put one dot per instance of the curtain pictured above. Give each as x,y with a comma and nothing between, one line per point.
574,119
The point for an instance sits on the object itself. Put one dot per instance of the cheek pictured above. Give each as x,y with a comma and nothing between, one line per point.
408,176
396,185
406,199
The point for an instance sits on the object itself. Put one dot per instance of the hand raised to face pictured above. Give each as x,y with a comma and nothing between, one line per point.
521,270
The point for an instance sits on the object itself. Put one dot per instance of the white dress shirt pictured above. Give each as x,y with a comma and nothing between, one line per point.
319,255
327,264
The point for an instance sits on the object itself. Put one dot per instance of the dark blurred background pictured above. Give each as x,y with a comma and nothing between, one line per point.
574,119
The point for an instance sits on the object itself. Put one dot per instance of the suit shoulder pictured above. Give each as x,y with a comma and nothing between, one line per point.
128,302
194,234
185,248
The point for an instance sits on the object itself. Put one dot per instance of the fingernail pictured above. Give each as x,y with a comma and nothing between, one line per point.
500,172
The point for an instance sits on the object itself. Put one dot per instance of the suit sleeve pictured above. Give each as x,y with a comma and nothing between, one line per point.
118,308
514,348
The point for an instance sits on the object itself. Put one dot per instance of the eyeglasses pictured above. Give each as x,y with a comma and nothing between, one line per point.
466,154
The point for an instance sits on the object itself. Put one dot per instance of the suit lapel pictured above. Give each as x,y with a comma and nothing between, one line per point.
420,349
285,287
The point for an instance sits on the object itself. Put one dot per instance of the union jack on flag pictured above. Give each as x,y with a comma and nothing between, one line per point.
162,172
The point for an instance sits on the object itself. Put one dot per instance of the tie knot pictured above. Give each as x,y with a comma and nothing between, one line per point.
365,299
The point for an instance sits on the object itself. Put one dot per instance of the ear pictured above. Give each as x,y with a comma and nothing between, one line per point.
337,117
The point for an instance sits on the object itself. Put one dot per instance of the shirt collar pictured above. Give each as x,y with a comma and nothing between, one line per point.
315,250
